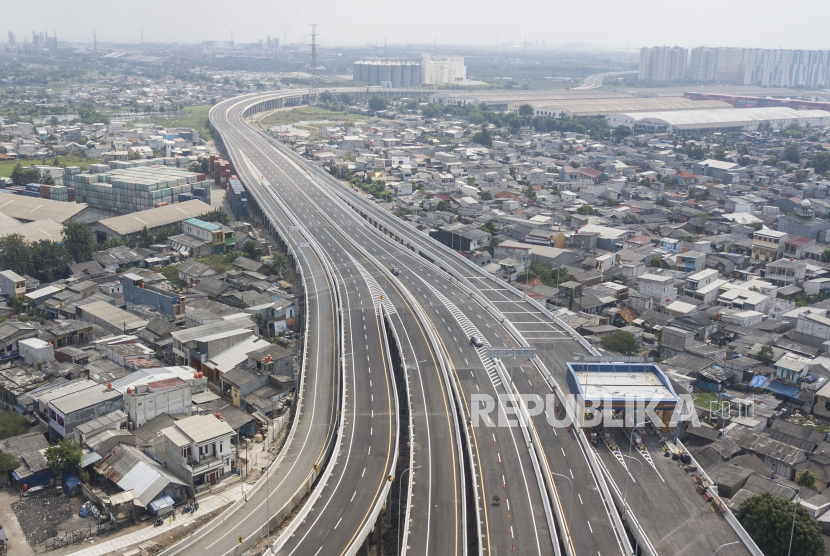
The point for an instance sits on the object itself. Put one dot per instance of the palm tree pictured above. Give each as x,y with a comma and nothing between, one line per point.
279,263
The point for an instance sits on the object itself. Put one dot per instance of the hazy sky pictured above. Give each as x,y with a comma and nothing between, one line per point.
611,23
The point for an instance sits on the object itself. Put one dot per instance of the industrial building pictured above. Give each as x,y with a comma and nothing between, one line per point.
389,73
606,106
724,120
127,226
131,189
439,70
29,209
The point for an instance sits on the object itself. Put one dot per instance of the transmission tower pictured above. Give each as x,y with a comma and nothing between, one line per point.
313,88
94,42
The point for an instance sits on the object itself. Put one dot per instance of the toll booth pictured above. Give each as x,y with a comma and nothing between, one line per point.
599,390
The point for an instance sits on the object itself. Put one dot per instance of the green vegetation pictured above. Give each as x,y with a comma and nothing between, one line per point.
195,117
768,520
12,424
8,463
620,342
806,479
765,355
7,166
222,263
304,114
171,272
587,209
549,276
65,454
656,262
78,241
216,215
704,399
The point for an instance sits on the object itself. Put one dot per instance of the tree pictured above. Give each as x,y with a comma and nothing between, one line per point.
821,162
530,193
471,181
656,262
483,138
620,342
46,178
346,98
662,201
279,263
806,479
765,354
12,424
768,520
825,255
631,218
8,463
79,241
486,196
216,215
23,176
65,454
489,227
587,209
621,132
791,153
377,103
15,254
145,238
201,166
526,110
326,96
251,250
49,261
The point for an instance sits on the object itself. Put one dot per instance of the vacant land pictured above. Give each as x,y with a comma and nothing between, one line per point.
194,117
7,166
306,114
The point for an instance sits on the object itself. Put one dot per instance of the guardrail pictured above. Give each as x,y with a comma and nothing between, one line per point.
291,504
727,514
378,506
540,478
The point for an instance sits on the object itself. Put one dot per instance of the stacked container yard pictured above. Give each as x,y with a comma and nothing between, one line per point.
126,189
237,198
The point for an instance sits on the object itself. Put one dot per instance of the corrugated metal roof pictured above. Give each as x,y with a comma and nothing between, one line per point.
48,229
130,468
155,217
201,332
201,428
29,209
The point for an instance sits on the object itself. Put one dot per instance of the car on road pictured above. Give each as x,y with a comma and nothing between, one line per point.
395,270
476,341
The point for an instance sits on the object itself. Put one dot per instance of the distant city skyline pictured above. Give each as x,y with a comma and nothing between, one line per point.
606,25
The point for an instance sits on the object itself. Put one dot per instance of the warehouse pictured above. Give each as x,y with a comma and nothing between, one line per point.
33,231
685,122
126,226
605,106
29,209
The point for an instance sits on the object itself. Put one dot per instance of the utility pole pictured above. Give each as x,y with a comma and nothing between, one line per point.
313,88
94,42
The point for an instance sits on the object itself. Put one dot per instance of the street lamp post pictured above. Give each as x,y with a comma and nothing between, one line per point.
720,457
721,546
571,503
400,485
628,473
267,509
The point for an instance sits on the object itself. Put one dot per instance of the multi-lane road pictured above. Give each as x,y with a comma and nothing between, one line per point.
391,381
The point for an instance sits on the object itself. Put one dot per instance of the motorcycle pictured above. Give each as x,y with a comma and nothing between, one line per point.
159,521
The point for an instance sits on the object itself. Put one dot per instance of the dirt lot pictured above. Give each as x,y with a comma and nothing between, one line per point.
44,514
